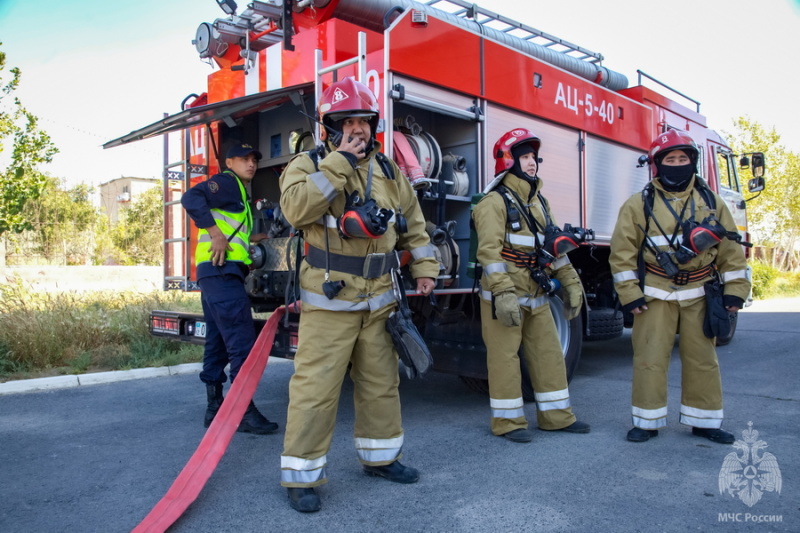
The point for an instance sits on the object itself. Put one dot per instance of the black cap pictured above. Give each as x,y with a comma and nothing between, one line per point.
242,150
522,149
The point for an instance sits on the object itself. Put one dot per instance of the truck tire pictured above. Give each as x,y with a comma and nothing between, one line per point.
571,336
724,341
603,324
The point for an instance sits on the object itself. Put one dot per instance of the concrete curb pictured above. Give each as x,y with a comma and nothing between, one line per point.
77,380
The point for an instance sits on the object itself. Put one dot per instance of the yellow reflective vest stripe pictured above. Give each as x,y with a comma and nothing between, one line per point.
235,226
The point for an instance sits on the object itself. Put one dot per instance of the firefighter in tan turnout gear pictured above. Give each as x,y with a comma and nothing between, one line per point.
669,242
517,288
355,208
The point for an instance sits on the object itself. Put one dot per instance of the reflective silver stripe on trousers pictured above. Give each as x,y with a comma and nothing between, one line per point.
524,301
649,418
507,408
679,295
298,470
548,401
494,268
701,418
734,274
523,240
231,222
378,450
627,275
324,185
371,304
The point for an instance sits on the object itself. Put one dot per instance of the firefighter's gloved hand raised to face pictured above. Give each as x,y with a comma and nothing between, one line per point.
573,300
506,308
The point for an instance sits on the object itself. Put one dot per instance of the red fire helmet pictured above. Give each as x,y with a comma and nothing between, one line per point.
347,98
502,148
667,142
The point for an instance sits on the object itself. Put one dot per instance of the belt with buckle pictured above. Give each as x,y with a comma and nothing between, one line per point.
683,276
369,267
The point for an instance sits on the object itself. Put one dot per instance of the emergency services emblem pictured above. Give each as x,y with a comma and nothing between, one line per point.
339,95
213,186
749,475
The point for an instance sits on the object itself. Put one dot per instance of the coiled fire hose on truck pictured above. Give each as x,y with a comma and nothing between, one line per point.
204,461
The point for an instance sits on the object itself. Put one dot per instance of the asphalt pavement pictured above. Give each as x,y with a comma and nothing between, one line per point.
95,453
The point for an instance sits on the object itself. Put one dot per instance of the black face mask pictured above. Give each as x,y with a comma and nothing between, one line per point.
675,179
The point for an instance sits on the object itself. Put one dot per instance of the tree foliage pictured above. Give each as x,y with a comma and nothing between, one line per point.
20,181
774,216
139,234
64,222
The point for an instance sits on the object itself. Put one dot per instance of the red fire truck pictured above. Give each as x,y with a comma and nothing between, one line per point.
451,78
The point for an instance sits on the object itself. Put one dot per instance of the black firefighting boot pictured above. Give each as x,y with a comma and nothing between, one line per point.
214,393
255,422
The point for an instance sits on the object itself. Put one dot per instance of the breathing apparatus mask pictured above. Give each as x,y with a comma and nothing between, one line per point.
558,242
363,219
699,237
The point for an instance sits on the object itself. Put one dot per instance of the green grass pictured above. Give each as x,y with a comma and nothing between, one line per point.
56,333
769,282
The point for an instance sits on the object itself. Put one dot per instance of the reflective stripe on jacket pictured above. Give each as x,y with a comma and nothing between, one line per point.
309,193
235,226
628,238
494,234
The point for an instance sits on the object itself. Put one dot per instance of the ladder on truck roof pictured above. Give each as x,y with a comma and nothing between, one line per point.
490,19
177,176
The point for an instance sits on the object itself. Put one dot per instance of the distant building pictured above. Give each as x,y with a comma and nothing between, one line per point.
117,194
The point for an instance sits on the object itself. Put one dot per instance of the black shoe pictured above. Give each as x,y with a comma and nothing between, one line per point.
641,435
394,472
575,427
255,422
304,499
519,435
714,435
214,394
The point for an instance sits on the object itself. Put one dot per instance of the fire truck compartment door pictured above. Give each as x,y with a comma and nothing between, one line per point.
196,116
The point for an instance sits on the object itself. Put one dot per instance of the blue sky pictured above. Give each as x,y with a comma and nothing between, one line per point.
94,70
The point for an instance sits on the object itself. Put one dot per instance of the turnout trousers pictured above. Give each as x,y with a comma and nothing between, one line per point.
701,386
230,332
328,342
538,336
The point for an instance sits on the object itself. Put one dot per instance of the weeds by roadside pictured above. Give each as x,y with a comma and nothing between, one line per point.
55,333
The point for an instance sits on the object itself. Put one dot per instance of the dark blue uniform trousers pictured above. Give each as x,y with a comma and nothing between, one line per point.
230,331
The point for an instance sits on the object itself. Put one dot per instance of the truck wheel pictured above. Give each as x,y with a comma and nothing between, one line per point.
724,341
570,334
603,324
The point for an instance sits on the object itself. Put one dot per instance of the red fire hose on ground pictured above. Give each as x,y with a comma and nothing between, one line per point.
201,465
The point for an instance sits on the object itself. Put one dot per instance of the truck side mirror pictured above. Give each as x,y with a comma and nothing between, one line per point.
757,165
756,184
744,162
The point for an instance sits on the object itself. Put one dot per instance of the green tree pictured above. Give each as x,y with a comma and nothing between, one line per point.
139,235
20,181
63,222
774,216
